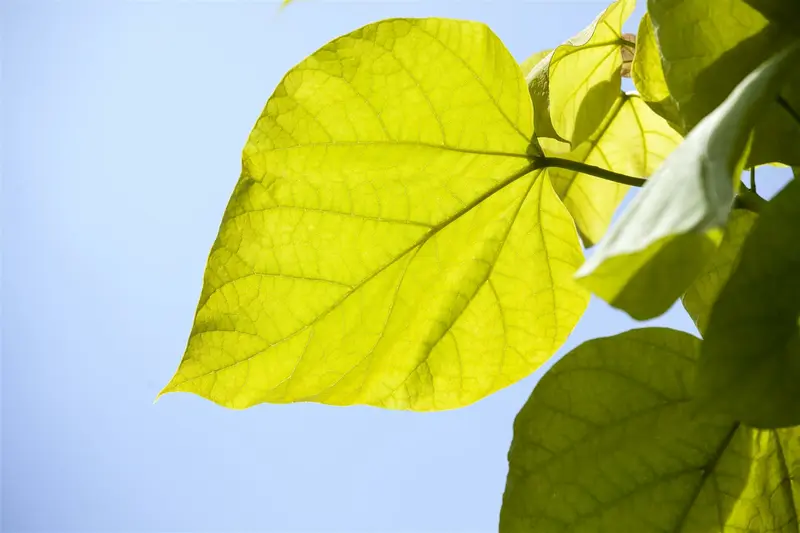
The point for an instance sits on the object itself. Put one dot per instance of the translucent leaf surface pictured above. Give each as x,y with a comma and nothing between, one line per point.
648,75
632,140
609,442
750,364
666,235
703,292
532,61
575,87
389,242
708,47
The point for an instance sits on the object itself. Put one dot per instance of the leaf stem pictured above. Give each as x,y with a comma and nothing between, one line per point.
748,199
788,108
753,179
598,172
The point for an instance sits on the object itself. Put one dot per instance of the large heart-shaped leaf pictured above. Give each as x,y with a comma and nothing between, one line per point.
701,295
575,86
389,241
708,47
648,76
610,442
750,364
670,229
632,140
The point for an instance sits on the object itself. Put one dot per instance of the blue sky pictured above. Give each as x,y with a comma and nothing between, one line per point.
122,129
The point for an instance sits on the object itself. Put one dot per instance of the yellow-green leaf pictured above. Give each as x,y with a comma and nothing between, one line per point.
389,242
750,364
664,238
632,140
533,60
703,292
648,76
577,84
708,47
610,442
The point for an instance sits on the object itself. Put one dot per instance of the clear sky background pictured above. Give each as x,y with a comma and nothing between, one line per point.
122,129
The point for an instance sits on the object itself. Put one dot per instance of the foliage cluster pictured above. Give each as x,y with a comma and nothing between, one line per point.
407,233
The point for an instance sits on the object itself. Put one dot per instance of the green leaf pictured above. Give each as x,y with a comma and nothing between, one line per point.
389,241
631,140
533,60
574,88
609,442
708,47
782,12
702,294
750,364
648,76
664,238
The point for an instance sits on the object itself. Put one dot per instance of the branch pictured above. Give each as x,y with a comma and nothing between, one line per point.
592,170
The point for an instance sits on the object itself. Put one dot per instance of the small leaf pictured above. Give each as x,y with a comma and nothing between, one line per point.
609,442
577,84
533,60
750,364
648,76
702,294
707,48
631,140
389,241
664,238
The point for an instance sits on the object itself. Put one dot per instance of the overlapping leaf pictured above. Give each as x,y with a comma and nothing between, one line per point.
576,85
670,229
708,47
750,364
648,75
632,140
610,442
389,242
782,12
701,295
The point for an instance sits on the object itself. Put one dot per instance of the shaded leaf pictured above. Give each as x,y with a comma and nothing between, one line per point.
708,47
389,242
750,364
664,238
610,442
648,76
703,292
577,84
631,140
782,12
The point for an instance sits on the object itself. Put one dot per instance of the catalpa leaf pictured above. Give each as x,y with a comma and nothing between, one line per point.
781,12
632,140
389,241
611,442
750,364
708,47
648,76
533,60
703,292
575,86
664,238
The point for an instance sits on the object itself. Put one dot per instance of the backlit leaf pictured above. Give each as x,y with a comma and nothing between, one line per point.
666,235
533,60
750,364
702,294
632,140
389,241
574,88
648,76
708,47
782,12
609,442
